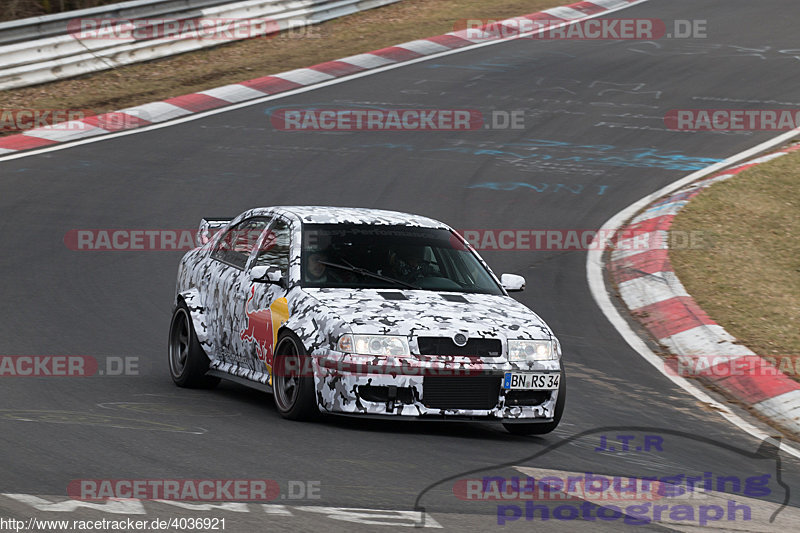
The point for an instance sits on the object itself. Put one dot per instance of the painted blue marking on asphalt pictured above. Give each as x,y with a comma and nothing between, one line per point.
564,152
575,188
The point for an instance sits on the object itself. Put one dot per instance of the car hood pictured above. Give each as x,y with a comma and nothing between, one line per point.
414,312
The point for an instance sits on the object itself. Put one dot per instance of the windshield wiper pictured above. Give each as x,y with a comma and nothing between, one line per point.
364,272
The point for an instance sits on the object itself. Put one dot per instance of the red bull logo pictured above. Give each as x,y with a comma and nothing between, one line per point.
262,327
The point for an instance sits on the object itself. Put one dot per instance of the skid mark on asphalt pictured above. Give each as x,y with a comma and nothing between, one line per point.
692,48
93,419
168,409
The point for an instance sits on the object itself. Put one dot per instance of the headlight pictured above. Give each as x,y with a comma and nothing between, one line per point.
374,345
519,351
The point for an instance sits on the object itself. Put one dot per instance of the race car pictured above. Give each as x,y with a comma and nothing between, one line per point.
362,312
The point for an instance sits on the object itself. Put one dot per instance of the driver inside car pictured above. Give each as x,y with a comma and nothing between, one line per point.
408,263
315,268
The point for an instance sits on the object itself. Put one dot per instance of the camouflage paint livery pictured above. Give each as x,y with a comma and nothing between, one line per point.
219,297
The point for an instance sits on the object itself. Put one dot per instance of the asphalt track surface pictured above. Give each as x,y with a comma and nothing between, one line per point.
581,94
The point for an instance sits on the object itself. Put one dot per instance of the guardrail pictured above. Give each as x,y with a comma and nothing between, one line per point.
28,29
67,52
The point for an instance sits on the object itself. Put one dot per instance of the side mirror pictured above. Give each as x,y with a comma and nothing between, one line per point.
512,282
267,274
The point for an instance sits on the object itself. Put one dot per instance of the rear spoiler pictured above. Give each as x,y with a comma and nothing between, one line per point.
208,228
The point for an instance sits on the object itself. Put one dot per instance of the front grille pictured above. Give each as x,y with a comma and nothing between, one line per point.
475,347
466,392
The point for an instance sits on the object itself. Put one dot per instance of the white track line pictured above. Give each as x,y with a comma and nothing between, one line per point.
594,275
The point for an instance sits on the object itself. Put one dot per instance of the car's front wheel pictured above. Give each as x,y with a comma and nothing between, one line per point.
188,363
541,429
293,379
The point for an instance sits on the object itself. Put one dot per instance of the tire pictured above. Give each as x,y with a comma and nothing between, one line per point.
542,429
188,362
293,384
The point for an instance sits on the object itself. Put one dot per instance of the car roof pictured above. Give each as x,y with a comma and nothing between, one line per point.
354,215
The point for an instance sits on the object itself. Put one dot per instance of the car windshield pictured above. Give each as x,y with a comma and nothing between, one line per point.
382,256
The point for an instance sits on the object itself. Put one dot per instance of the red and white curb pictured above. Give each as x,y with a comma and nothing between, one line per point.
180,106
655,296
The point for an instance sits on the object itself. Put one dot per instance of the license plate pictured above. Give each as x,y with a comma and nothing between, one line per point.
530,381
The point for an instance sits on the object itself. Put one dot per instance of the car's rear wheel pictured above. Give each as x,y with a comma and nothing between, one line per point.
293,380
542,429
188,363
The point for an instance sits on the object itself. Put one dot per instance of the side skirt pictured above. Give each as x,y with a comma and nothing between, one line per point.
240,380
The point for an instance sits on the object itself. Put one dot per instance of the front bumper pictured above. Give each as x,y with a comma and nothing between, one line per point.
423,387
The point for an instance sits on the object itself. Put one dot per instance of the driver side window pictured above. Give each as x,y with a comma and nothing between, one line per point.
238,242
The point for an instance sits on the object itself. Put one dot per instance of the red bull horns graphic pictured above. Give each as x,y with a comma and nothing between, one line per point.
262,327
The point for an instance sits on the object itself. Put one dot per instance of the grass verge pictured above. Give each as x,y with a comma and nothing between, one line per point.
235,62
748,279
18,9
